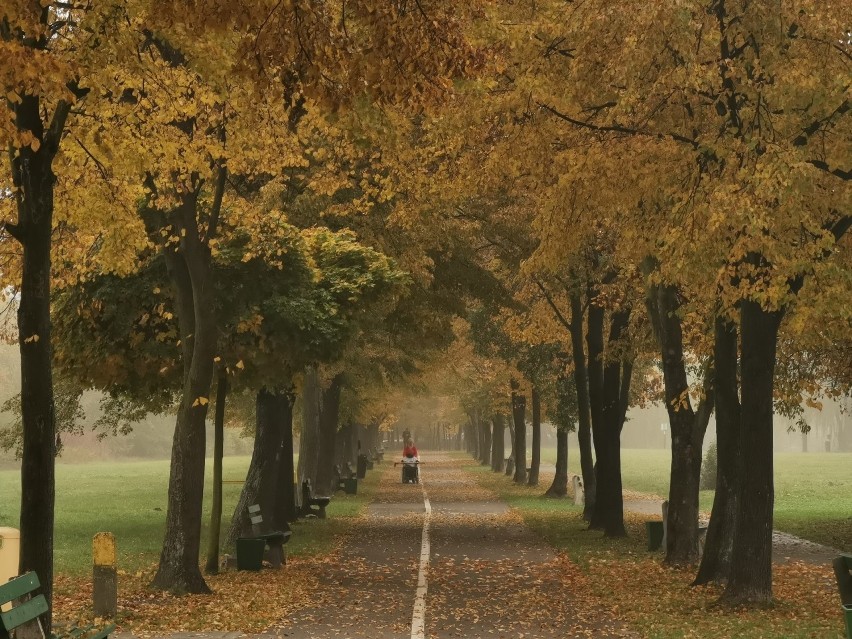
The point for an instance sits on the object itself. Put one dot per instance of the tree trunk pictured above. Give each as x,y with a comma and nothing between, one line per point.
179,566
329,419
33,177
498,443
519,411
609,507
750,578
559,487
511,423
285,502
262,480
535,461
718,546
212,565
584,418
595,345
687,427
487,443
309,436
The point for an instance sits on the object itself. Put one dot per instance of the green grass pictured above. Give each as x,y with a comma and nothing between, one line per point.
813,491
128,499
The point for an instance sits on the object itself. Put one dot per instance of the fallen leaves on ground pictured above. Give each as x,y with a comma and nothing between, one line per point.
246,601
658,600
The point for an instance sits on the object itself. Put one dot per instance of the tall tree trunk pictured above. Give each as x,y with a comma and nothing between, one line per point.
285,502
750,577
33,177
559,487
718,547
512,442
609,507
584,418
535,461
329,420
498,443
519,411
262,480
687,427
595,345
309,436
179,566
212,565
487,442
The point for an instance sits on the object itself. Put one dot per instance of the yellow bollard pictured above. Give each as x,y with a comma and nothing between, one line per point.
104,575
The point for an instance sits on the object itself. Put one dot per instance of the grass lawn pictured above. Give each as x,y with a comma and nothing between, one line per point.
813,491
658,601
128,499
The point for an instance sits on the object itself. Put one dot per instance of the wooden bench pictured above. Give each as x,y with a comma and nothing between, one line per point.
275,539
313,505
30,610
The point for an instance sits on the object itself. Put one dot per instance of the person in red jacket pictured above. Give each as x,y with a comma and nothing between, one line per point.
410,462
410,449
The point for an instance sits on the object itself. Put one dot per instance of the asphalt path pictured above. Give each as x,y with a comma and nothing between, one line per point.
444,558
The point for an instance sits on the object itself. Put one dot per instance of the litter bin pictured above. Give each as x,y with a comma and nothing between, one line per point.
10,553
350,486
655,534
361,471
843,573
250,553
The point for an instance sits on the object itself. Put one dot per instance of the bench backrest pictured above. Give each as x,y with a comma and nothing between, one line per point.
256,518
25,612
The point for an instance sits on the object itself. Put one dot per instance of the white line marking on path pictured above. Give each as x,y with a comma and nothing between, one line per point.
418,619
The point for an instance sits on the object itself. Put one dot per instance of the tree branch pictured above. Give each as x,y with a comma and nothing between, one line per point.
803,138
552,305
218,195
619,128
823,166
14,230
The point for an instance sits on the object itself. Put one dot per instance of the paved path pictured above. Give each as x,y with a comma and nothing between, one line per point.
477,571
447,559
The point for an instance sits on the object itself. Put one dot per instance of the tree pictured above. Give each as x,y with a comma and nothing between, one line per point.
41,86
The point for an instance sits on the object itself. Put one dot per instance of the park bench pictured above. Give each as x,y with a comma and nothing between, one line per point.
28,611
312,505
275,539
345,480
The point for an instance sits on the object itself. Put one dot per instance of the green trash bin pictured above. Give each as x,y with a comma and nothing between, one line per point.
250,553
847,612
655,534
350,486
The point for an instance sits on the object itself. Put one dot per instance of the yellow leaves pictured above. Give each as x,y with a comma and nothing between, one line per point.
31,339
240,365
200,401
813,403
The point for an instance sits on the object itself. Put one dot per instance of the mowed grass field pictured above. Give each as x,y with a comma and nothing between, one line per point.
128,499
813,491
